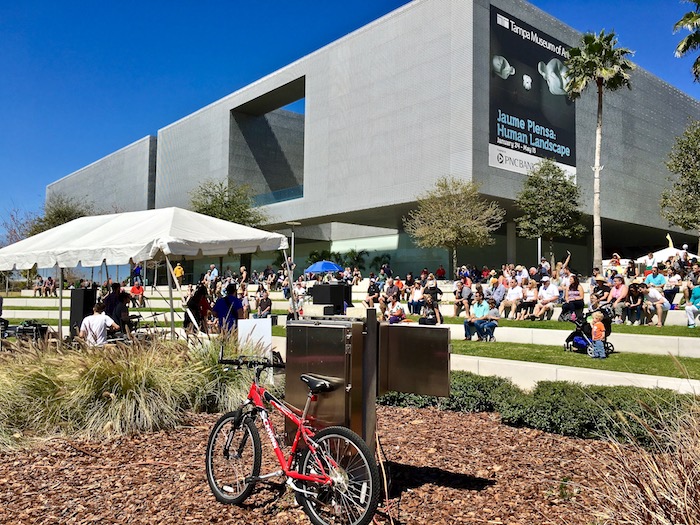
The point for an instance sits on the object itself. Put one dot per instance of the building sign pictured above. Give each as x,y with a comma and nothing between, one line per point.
530,115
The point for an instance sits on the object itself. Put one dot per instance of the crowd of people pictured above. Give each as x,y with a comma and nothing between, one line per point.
633,293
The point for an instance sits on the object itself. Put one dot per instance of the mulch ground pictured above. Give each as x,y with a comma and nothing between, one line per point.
445,468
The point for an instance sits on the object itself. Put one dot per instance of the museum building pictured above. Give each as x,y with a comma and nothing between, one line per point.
344,140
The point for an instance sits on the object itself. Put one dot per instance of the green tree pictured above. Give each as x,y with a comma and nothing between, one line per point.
219,199
598,60
380,260
549,201
355,258
691,43
453,214
324,255
679,203
59,209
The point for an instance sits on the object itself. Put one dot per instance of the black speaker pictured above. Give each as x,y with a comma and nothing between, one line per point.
332,293
82,301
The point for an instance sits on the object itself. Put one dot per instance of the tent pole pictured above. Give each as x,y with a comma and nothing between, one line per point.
290,275
60,305
170,293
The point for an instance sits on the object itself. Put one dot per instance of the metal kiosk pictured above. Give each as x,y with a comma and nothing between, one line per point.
364,358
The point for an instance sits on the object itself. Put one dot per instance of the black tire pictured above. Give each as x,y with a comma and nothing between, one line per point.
353,496
233,454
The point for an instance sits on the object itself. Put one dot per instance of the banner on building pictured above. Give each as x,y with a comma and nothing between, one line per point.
530,114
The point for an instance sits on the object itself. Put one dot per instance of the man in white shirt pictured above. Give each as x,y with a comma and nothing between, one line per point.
514,295
546,298
94,327
654,303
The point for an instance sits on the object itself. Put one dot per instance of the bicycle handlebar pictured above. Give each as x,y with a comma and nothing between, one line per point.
251,362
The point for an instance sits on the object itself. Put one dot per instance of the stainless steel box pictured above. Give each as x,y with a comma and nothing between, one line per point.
414,359
334,350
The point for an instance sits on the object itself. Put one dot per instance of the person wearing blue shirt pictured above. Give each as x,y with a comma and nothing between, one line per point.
692,307
655,279
478,315
228,309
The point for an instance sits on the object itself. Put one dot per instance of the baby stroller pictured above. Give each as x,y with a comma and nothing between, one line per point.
581,339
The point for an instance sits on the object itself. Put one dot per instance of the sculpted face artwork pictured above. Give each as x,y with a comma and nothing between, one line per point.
501,67
554,73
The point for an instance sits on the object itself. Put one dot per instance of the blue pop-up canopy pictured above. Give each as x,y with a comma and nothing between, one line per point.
322,267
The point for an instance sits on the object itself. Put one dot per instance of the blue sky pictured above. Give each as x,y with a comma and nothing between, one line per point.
79,80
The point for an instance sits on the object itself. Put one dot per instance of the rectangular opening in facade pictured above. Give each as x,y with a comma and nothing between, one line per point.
266,149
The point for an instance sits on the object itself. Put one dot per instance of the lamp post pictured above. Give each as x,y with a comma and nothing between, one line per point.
293,224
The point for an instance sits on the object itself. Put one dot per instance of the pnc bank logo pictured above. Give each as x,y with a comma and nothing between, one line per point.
500,158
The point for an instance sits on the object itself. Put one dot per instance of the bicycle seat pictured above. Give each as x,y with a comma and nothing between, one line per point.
317,384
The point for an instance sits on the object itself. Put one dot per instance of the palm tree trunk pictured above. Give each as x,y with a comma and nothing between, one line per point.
597,232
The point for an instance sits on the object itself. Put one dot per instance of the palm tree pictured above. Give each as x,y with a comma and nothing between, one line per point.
355,258
598,60
690,22
323,255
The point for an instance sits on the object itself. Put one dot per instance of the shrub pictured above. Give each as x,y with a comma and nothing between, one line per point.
473,393
218,389
556,406
127,389
656,481
562,408
400,399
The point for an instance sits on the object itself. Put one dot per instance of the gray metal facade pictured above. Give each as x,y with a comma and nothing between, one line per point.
389,109
123,181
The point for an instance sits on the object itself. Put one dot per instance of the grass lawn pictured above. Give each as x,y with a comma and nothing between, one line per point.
555,355
675,331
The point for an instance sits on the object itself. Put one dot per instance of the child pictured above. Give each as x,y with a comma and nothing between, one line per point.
486,329
598,335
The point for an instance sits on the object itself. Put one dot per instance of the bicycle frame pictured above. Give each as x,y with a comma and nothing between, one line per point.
257,396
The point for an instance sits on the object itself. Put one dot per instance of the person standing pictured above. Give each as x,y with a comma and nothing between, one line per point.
212,277
228,309
598,331
137,274
179,272
94,327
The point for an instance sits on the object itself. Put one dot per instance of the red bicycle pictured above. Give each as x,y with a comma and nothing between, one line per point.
333,472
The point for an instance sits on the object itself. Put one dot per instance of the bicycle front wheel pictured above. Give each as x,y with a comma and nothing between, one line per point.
353,495
234,454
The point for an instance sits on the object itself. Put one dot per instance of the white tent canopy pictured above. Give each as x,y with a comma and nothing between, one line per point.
122,238
665,254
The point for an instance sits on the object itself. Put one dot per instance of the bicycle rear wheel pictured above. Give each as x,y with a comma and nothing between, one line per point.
234,453
353,495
